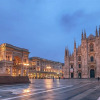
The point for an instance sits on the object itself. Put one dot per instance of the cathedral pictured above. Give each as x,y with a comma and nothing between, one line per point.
84,62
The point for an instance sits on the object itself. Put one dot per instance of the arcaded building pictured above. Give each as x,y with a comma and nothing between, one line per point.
13,60
84,62
43,68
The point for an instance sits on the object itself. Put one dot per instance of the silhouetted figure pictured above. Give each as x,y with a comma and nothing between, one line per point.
59,78
98,79
53,78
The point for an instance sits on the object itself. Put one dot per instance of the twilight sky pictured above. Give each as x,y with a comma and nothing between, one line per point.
46,27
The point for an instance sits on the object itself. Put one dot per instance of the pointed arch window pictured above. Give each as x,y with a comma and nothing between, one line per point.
79,65
79,58
91,47
71,66
92,58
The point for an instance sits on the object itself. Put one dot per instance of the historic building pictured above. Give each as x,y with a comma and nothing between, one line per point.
84,62
43,68
13,60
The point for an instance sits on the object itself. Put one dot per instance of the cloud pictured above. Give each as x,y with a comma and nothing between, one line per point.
71,21
79,20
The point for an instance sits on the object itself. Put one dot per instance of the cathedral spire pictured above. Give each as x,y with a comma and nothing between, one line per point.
66,52
96,32
74,44
99,30
84,34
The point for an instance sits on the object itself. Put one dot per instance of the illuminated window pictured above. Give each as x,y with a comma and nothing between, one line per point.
7,58
33,63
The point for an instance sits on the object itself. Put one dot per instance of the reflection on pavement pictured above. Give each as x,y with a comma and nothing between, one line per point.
37,87
26,90
48,84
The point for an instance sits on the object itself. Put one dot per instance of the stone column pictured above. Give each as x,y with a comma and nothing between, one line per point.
36,74
27,70
11,70
21,71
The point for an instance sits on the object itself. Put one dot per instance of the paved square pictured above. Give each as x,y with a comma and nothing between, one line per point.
47,89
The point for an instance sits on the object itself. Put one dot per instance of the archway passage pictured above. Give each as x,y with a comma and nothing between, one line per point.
16,70
72,75
17,60
79,75
92,73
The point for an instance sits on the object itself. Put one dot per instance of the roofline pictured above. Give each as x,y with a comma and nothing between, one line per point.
14,47
44,59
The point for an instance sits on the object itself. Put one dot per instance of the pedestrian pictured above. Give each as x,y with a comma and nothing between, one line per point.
59,78
53,78
98,79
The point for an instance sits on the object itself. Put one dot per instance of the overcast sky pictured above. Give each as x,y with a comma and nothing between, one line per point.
46,27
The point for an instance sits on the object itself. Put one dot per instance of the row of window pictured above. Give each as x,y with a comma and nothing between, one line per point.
8,58
91,59
45,70
78,66
42,63
53,66
91,49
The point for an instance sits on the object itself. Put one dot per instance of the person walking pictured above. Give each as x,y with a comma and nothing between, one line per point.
59,78
98,79
53,78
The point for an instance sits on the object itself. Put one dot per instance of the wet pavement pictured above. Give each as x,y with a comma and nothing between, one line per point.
47,89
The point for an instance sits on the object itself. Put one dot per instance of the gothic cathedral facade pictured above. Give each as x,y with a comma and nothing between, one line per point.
84,62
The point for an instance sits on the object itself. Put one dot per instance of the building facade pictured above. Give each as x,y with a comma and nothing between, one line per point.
84,62
13,60
43,68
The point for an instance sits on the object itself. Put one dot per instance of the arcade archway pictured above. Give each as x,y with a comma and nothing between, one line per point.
16,71
17,61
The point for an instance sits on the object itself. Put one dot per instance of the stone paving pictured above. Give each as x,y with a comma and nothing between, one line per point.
47,89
